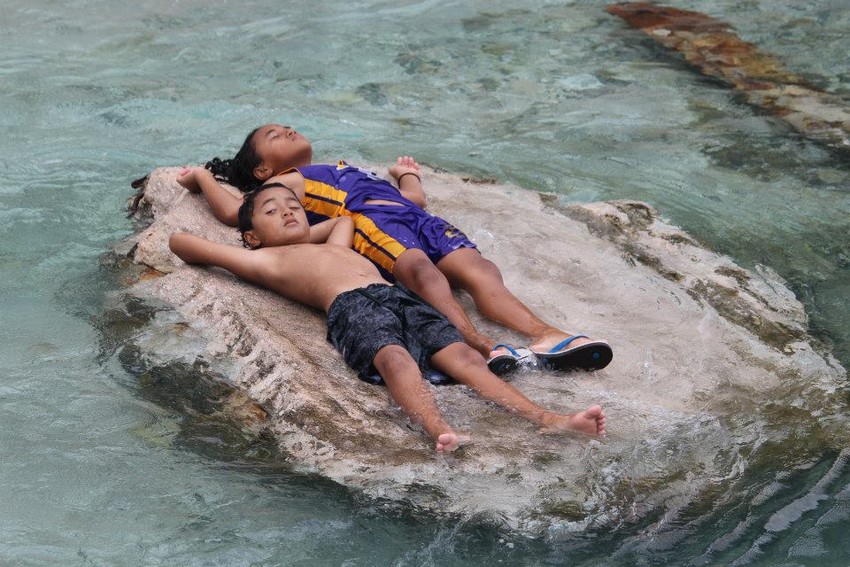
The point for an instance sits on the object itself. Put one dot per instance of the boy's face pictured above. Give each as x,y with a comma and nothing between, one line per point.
279,148
278,219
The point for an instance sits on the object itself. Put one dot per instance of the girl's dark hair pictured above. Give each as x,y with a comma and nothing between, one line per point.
239,170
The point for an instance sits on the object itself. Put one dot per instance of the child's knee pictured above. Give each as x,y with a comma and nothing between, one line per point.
482,276
471,357
418,272
485,268
463,355
393,359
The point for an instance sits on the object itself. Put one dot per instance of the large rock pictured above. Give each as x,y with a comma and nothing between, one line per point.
711,361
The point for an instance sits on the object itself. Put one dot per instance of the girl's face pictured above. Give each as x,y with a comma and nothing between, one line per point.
279,148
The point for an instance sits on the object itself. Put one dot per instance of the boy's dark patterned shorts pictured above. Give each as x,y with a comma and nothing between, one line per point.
362,321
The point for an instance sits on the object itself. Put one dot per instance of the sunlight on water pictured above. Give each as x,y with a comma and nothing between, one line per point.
105,462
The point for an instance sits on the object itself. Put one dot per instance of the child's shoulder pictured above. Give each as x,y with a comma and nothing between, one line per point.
288,175
292,179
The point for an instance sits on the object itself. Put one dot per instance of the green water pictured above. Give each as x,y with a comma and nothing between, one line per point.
99,466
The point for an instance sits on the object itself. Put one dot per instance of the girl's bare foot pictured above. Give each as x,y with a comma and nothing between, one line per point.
590,422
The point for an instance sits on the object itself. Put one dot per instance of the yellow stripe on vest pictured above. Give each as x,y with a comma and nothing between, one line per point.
375,244
324,199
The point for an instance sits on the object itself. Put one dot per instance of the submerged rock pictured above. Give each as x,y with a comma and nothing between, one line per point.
710,359
712,47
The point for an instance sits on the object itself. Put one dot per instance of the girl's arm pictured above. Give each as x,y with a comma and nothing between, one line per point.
339,230
223,204
410,187
407,174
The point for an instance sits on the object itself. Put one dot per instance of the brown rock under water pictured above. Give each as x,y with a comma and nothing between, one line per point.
715,50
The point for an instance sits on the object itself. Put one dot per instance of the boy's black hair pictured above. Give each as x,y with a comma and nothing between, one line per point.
239,170
246,209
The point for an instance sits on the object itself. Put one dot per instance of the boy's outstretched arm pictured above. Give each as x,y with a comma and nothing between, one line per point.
196,250
339,230
223,204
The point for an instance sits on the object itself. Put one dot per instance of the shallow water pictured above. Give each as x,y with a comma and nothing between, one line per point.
99,466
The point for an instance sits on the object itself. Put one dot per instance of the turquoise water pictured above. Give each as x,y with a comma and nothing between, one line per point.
100,468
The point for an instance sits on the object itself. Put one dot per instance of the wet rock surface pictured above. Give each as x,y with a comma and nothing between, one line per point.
710,359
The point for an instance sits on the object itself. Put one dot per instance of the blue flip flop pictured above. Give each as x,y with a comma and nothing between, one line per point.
589,356
506,362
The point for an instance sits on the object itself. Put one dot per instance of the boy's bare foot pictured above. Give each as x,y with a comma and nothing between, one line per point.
404,164
590,422
448,442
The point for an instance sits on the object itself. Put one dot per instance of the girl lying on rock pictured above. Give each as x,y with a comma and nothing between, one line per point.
372,323
421,251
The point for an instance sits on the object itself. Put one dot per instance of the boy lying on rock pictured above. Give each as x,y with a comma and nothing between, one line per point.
373,324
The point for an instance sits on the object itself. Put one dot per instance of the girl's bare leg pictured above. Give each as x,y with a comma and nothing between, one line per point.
464,365
467,269
418,274
404,381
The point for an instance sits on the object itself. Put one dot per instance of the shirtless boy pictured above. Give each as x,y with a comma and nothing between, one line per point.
422,251
316,266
